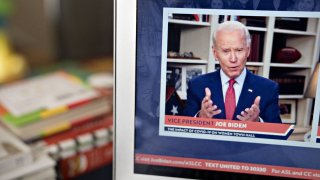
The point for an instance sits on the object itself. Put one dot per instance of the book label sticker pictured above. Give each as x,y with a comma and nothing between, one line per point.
44,92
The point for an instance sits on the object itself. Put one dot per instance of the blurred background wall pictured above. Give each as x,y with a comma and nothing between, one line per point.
53,30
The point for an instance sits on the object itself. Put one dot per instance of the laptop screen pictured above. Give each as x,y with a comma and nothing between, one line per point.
186,52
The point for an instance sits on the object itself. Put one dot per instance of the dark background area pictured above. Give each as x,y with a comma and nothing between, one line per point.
49,31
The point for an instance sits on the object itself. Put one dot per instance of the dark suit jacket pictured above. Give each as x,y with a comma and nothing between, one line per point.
253,86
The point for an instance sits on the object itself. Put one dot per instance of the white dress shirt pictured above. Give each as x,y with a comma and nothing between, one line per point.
237,85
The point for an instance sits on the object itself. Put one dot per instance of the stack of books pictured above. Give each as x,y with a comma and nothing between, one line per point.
81,149
83,153
64,116
42,106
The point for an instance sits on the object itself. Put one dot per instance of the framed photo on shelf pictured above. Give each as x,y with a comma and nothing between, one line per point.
288,111
193,71
179,76
253,69
174,77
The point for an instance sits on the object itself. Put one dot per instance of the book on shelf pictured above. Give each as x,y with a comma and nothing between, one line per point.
187,17
252,21
255,48
205,18
185,55
197,17
13,152
44,105
191,17
289,84
41,168
84,162
291,23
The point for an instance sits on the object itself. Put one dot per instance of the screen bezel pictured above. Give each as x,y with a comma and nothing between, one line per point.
124,103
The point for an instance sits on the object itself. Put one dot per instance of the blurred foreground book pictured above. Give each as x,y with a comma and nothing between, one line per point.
49,104
84,162
82,149
43,167
13,153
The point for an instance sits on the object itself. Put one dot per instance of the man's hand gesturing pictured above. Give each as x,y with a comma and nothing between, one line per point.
252,113
207,108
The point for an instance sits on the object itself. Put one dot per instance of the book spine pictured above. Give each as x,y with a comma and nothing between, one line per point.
290,84
81,127
84,162
255,48
74,119
197,17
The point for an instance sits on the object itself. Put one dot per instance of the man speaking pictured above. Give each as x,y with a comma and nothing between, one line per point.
233,92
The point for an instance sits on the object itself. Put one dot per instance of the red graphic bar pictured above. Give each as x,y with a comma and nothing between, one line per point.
227,124
227,166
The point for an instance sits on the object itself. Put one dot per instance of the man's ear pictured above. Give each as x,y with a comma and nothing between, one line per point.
248,52
214,52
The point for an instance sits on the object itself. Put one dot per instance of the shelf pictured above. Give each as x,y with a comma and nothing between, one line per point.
299,133
287,65
186,22
254,63
299,129
250,28
248,63
187,61
293,32
298,96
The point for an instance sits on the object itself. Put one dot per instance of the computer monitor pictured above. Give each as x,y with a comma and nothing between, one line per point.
160,46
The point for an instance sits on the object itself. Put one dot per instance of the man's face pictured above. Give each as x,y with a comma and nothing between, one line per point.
231,51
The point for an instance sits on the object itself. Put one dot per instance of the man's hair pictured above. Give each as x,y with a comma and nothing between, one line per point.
232,26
